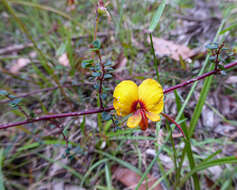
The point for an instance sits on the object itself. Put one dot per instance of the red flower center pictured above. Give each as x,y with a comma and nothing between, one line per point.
138,107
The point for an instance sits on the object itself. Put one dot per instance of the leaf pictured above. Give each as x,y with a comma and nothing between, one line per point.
130,179
96,44
62,48
205,165
20,63
107,76
230,80
86,63
106,116
95,74
3,92
16,101
1,175
228,29
63,60
168,48
212,46
156,18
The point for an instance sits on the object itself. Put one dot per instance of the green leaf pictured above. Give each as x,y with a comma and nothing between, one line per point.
212,46
87,63
1,175
121,162
156,18
109,63
107,76
61,49
106,116
221,67
3,92
96,44
15,102
228,29
205,165
95,74
212,58
108,176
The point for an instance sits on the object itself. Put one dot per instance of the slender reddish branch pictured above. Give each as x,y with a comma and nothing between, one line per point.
99,110
174,122
198,78
56,116
101,79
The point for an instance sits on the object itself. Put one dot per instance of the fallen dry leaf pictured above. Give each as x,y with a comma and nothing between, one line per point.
20,63
232,80
63,60
130,179
168,48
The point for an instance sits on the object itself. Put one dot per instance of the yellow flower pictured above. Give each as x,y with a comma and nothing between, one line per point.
143,102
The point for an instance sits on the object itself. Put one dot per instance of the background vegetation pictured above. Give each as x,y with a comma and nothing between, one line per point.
49,64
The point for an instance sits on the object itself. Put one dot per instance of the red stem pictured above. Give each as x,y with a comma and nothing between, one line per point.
174,122
99,110
198,78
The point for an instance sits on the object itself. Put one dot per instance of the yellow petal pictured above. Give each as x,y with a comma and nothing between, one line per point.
134,120
153,116
151,94
125,94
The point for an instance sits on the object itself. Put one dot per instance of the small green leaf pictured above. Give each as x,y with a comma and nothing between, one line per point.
96,86
106,116
109,63
96,44
103,96
212,58
223,73
95,74
212,46
3,92
109,68
87,63
221,67
107,76
16,101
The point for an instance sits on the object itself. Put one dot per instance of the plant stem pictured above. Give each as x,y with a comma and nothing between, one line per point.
156,63
99,110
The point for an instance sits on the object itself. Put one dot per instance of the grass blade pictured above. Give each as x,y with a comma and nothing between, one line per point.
1,175
121,162
205,165
156,18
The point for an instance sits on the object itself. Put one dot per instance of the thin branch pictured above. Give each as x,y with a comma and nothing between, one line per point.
174,122
110,108
198,78
101,79
56,116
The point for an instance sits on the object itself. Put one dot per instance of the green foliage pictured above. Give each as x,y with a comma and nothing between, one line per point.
87,148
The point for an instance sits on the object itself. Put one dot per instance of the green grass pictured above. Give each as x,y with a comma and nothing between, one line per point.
29,153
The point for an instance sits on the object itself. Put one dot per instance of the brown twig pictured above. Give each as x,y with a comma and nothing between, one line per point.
99,110
56,116
101,79
217,53
174,122
198,78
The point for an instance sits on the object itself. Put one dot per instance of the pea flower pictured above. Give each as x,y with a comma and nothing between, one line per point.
143,102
